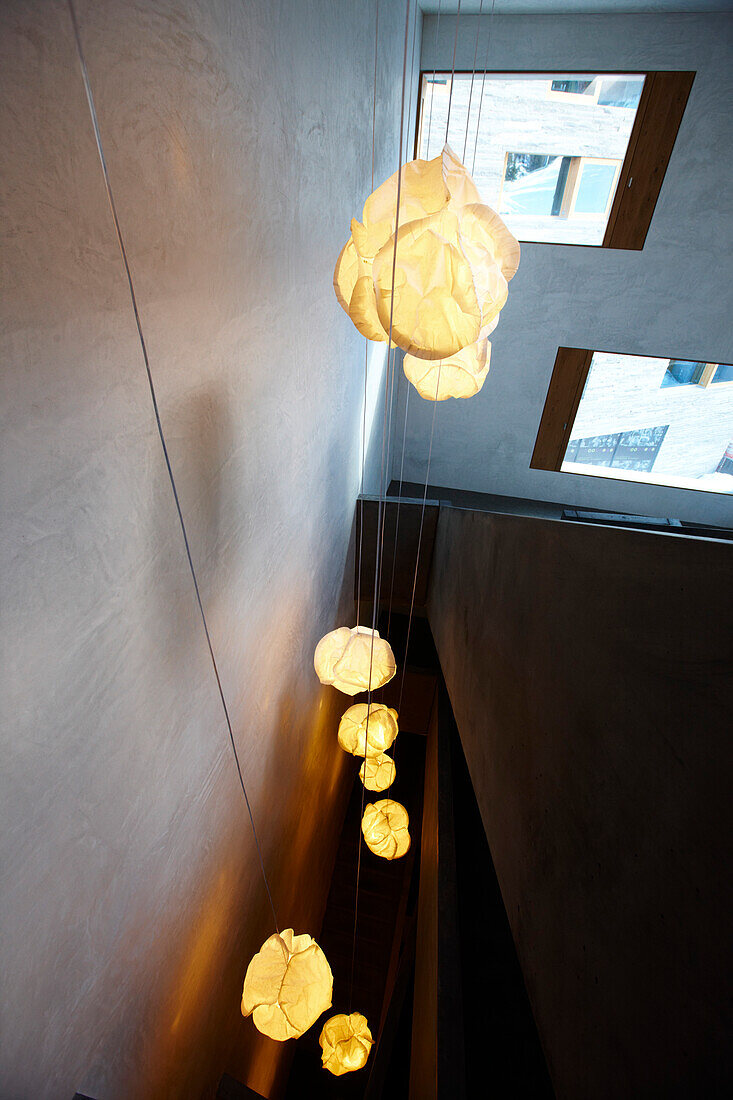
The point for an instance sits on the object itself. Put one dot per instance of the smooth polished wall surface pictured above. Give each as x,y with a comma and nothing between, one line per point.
674,298
238,137
591,679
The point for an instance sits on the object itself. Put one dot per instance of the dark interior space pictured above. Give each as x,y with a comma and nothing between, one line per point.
499,1029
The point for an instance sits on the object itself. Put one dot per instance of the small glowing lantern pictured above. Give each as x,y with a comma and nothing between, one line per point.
345,1042
377,773
367,729
287,986
385,827
443,293
343,659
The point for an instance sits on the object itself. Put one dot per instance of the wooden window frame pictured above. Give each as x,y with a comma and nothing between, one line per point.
564,393
573,184
656,124
708,373
567,383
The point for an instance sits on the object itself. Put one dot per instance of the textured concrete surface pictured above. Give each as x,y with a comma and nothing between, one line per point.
238,137
674,298
591,678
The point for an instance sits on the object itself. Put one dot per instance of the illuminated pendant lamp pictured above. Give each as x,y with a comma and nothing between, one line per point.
343,658
377,773
385,826
454,259
345,1042
367,729
287,986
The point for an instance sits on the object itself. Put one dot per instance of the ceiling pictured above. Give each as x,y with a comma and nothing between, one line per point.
574,7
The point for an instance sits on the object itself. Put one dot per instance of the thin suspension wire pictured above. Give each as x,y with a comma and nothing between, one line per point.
483,84
151,386
394,368
432,90
381,479
473,74
424,499
453,72
399,502
419,541
366,343
409,387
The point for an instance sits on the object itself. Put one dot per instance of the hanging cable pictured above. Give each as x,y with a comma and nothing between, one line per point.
366,343
483,84
453,72
407,397
151,386
377,563
432,89
473,74
427,471
392,389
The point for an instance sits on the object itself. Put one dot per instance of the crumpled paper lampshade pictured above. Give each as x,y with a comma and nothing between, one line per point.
377,773
287,986
345,1042
342,659
455,257
385,828
367,729
460,375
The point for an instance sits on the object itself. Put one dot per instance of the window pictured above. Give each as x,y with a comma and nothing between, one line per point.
639,418
723,373
554,186
574,86
566,158
685,372
682,372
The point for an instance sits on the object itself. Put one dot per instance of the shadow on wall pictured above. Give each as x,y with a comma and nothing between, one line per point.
304,789
296,775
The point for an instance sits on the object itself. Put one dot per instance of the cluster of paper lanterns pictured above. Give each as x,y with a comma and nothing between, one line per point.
289,983
435,280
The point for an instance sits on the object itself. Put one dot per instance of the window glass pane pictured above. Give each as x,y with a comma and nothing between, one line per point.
682,372
515,132
723,373
632,425
530,183
575,86
621,91
594,188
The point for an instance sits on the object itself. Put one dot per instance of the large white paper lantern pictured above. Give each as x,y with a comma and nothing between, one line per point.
287,986
385,826
377,773
345,1043
366,729
344,656
454,259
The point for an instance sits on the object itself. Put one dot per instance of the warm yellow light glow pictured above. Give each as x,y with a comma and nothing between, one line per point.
460,375
455,258
367,729
377,773
343,657
287,986
345,1042
385,828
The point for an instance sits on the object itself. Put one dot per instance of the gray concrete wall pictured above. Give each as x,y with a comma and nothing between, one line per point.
671,299
591,679
239,144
